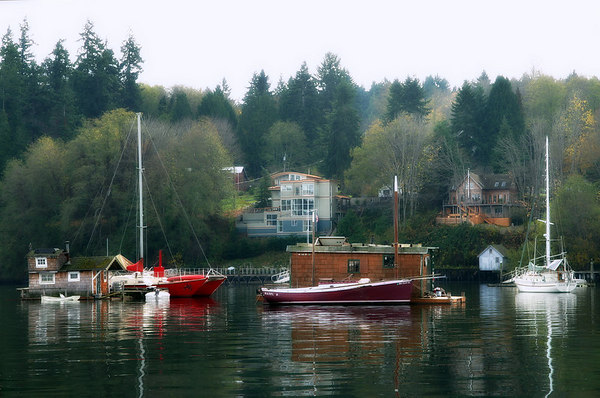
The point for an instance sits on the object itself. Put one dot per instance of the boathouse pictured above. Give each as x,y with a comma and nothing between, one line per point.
335,260
53,271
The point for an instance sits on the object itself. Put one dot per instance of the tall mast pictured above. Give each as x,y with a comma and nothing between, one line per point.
140,171
396,225
547,205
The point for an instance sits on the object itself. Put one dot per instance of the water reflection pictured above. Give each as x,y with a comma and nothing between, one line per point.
548,315
394,340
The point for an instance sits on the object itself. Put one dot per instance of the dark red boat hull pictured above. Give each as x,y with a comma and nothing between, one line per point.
387,292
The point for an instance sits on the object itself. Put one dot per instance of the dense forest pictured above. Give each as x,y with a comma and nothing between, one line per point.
65,125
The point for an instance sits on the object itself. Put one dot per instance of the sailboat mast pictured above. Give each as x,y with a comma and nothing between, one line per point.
547,205
140,171
396,225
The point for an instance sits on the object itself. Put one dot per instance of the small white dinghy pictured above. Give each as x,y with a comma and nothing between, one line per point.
60,299
158,295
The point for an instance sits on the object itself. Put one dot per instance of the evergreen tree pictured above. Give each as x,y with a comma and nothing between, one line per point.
62,115
330,74
342,132
467,122
407,97
259,112
433,84
179,106
95,79
130,69
12,87
216,105
299,103
503,105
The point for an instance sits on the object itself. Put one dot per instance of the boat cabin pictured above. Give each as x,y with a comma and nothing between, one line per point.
336,260
53,271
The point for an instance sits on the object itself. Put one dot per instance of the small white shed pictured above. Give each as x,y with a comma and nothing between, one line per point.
493,258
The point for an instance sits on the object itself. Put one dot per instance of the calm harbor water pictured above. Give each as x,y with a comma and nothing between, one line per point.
501,343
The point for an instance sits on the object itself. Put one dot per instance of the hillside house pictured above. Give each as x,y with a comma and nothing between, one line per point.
53,271
239,177
478,199
294,198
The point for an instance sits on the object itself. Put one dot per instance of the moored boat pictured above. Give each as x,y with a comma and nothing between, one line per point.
212,283
140,280
183,285
60,299
553,274
361,292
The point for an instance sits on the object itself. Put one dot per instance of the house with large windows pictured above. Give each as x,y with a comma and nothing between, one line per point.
297,201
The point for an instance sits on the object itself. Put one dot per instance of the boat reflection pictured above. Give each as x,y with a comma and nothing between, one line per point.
50,324
548,315
334,333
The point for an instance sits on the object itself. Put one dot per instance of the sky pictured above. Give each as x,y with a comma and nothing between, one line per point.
198,43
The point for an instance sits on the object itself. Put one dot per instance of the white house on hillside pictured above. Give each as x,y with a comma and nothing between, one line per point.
294,198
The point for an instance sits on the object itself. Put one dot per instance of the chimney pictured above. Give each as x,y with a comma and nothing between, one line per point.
67,251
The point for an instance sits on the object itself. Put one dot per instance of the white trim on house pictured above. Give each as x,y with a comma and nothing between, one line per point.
74,276
41,262
45,276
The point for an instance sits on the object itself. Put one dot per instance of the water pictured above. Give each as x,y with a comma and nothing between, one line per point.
501,343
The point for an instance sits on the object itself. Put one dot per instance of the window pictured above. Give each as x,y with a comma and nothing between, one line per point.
353,266
41,262
302,207
497,260
46,278
294,223
307,225
271,219
73,276
308,189
388,261
286,190
286,205
279,226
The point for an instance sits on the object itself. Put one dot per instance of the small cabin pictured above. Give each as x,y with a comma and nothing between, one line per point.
335,260
493,258
53,271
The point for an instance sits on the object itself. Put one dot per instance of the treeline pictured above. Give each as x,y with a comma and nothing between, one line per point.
427,133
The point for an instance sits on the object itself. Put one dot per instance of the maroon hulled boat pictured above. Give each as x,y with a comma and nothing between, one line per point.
361,292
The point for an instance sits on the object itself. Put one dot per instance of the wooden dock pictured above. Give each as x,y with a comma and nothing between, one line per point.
441,300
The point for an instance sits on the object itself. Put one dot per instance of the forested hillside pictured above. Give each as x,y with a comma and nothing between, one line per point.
65,122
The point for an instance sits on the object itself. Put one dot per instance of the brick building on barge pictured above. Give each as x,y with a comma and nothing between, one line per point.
337,260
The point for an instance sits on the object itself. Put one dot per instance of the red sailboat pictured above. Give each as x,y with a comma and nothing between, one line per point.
141,280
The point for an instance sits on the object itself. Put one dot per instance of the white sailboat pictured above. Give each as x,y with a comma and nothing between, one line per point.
553,274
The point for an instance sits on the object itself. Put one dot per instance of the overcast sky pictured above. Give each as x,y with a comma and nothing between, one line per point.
197,43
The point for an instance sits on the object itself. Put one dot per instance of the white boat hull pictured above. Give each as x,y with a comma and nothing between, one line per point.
61,299
540,283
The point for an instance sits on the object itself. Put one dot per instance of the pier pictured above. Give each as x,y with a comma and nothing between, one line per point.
242,275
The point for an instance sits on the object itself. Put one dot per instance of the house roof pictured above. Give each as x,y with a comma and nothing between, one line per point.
46,252
499,248
117,262
490,181
308,176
